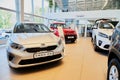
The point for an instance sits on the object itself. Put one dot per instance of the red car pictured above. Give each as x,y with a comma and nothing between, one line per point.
69,34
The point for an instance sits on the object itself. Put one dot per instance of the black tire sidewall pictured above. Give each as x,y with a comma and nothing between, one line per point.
94,44
116,63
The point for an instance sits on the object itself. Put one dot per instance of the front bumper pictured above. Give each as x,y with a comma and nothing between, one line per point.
103,43
18,59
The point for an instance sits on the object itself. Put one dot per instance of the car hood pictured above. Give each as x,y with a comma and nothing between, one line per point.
106,31
33,38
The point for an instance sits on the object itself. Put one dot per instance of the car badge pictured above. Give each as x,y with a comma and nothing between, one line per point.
42,44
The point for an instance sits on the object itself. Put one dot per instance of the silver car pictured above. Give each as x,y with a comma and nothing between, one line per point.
33,44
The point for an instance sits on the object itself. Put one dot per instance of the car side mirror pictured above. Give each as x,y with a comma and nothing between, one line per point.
52,28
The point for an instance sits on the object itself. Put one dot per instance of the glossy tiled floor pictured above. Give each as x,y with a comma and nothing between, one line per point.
81,62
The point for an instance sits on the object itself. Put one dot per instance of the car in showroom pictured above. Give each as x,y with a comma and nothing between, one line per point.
33,44
113,72
5,33
101,33
69,34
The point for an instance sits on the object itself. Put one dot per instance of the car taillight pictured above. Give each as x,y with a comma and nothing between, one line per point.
70,32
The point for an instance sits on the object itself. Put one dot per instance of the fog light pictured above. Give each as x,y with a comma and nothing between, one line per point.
99,42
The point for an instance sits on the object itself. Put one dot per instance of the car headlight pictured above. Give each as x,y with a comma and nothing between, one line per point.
103,35
16,46
60,42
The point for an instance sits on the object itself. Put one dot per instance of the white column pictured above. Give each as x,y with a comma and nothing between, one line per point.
42,7
53,8
85,35
76,29
22,10
17,3
32,2
75,5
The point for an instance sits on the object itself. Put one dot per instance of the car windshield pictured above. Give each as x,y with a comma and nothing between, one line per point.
31,28
105,26
57,25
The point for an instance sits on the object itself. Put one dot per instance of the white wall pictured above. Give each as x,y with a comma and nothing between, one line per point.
86,14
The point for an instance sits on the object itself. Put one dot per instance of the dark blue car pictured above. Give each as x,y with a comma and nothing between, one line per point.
114,56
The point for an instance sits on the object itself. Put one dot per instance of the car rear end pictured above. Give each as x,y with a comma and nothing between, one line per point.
70,35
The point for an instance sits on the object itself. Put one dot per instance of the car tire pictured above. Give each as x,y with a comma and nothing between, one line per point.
113,70
91,39
95,46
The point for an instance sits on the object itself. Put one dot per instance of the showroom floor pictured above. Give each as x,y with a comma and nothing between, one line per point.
81,62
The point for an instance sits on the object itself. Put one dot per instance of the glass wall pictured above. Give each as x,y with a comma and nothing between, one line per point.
9,15
38,7
28,6
8,4
7,19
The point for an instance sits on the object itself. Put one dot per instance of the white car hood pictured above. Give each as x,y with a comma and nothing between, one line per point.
106,31
33,38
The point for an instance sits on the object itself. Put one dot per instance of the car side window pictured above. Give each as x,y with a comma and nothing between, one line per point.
19,28
101,25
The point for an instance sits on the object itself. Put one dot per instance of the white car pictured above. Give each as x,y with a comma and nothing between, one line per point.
33,44
101,35
5,33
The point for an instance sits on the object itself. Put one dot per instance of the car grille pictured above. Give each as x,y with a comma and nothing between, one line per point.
38,60
37,49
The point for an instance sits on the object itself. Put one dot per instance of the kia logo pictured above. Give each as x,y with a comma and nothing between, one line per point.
42,44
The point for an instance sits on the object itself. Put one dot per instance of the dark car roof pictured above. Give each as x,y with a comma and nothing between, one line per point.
103,19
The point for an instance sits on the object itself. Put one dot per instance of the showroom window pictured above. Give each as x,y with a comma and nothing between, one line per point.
8,4
27,6
37,7
7,19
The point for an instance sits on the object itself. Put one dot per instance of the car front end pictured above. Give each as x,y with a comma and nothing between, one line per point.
34,54
103,40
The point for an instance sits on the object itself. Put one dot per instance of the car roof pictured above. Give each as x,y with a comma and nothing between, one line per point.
29,23
103,20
